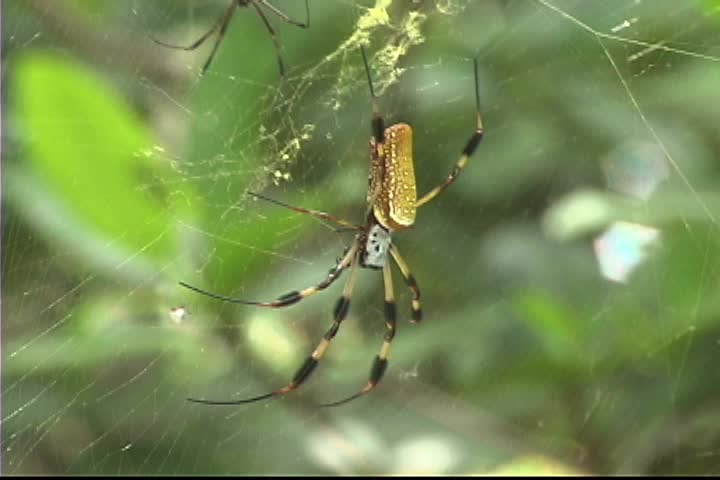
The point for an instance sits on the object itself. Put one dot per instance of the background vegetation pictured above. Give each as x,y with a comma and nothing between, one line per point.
125,172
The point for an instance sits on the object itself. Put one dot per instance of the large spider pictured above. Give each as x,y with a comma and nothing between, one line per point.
392,204
224,20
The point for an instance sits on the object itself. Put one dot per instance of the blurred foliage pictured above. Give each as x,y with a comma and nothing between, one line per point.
124,172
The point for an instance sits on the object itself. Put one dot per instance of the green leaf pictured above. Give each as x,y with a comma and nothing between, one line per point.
91,167
712,7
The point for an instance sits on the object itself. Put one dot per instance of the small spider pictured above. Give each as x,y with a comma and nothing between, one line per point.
391,206
224,20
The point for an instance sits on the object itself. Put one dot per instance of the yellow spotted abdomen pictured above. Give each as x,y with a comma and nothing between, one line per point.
392,178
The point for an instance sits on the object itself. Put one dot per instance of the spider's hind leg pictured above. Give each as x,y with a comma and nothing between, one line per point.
342,307
380,362
416,310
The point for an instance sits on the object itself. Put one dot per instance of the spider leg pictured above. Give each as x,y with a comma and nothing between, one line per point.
222,19
378,134
221,35
339,314
285,18
222,23
380,362
315,213
378,124
416,313
292,297
466,153
273,36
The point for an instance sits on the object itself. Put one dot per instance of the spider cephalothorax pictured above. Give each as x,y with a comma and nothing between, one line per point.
391,206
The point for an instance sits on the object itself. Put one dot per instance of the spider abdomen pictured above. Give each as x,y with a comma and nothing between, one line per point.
392,178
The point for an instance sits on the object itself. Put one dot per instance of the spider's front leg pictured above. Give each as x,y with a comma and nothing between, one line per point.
378,125
377,144
467,152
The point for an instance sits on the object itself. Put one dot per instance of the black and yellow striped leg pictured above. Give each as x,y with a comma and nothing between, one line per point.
467,152
416,311
339,314
293,297
380,362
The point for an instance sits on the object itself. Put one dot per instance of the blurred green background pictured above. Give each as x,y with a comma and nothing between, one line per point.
125,172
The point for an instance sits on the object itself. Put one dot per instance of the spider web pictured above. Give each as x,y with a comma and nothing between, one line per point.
130,174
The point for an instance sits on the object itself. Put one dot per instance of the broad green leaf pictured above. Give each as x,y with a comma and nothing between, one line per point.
90,155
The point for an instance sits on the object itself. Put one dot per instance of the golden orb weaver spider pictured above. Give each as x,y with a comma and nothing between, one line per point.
392,205
224,20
